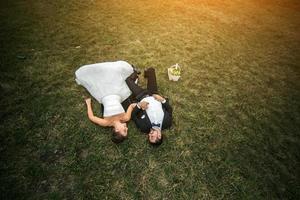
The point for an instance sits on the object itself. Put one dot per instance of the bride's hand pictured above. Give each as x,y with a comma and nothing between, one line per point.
133,105
143,105
88,101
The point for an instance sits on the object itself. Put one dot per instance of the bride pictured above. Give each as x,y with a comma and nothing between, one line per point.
106,83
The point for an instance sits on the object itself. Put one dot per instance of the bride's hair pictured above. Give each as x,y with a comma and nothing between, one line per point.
116,137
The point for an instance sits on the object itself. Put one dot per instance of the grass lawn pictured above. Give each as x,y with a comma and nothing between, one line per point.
236,109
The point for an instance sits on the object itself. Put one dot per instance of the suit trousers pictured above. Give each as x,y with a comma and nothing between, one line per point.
138,92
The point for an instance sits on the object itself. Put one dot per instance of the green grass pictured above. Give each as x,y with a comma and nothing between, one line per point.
236,109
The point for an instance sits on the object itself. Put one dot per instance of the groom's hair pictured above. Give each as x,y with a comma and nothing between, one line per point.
116,137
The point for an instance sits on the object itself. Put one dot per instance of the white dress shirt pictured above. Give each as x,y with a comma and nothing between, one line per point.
154,111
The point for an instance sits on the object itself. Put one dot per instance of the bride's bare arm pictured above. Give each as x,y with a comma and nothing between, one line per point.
96,120
127,115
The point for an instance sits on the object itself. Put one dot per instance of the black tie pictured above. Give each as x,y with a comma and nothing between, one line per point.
157,125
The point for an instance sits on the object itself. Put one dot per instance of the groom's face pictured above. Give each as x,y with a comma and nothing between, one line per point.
154,135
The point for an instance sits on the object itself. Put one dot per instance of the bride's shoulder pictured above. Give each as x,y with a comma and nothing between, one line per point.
113,118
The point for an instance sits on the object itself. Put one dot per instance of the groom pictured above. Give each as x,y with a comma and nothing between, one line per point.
153,112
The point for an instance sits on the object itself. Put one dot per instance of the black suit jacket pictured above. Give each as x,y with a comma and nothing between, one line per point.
142,121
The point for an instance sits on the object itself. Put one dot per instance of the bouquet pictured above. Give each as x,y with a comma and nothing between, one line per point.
174,72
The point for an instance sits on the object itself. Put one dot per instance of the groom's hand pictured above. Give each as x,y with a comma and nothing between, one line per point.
158,97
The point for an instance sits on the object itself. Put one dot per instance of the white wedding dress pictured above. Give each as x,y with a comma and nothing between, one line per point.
106,83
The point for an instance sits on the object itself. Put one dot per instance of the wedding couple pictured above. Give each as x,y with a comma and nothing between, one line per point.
115,86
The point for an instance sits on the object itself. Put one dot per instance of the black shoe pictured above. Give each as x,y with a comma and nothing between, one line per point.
148,70
137,70
134,76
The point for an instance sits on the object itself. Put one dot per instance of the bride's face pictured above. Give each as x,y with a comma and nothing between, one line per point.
121,128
